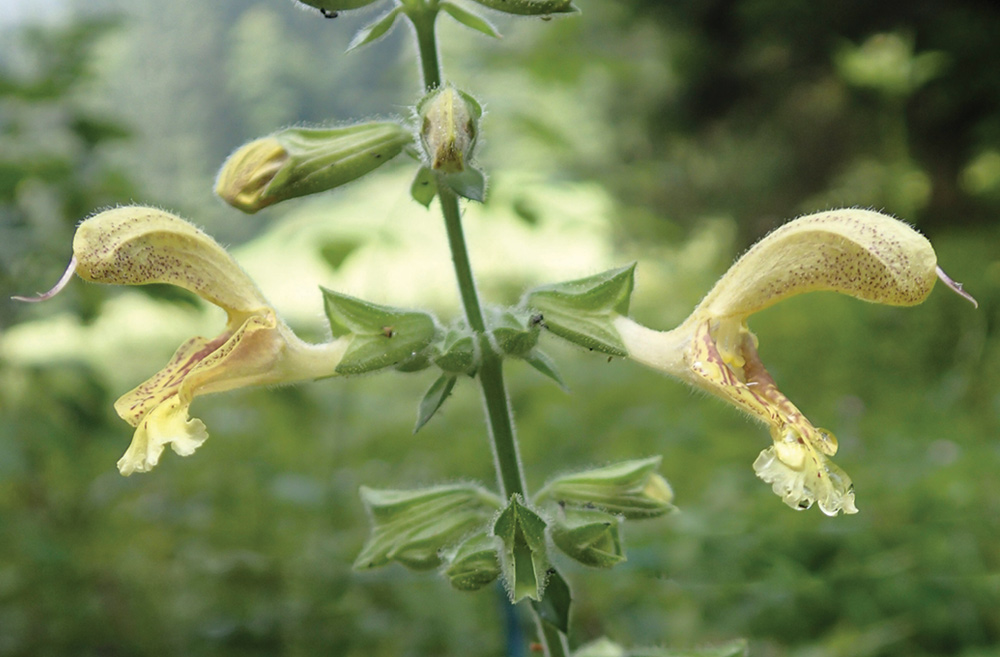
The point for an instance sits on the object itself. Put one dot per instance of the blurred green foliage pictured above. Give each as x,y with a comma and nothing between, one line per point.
707,122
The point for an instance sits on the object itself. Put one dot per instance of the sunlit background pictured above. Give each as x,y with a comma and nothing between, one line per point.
669,133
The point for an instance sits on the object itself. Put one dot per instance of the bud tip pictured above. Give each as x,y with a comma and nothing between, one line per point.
56,289
956,287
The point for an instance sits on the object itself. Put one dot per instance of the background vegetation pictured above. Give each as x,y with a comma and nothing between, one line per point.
669,133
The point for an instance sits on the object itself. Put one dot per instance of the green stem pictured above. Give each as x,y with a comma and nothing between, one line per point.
501,423
423,19
460,257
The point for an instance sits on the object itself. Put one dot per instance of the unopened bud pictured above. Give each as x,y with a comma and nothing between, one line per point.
448,128
589,536
299,161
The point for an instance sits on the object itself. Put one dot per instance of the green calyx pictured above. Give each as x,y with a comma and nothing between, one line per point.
524,560
531,7
382,336
583,310
589,536
632,489
415,527
474,563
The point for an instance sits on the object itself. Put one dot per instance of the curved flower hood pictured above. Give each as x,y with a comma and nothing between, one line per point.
141,245
860,253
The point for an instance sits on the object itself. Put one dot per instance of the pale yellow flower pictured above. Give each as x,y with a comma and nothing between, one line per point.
856,252
139,246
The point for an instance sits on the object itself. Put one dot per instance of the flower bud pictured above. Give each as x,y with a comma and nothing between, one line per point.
448,128
632,489
299,161
589,536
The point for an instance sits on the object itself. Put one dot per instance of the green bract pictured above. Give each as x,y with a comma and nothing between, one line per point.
474,564
524,559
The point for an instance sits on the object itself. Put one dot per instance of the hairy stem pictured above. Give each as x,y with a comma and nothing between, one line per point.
501,423
423,19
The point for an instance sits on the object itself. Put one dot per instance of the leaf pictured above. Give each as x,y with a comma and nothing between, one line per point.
423,189
545,365
470,184
554,606
470,19
377,28
439,391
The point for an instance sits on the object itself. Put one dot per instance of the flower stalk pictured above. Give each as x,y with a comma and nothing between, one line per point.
503,438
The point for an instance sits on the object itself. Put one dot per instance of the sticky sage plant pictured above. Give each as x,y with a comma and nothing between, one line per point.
473,534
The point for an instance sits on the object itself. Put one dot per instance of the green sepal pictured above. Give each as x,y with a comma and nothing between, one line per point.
514,336
375,29
541,361
415,363
439,391
383,335
457,353
412,527
524,560
583,311
470,183
474,564
336,5
735,648
605,647
424,187
589,536
469,19
554,606
632,489
531,7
